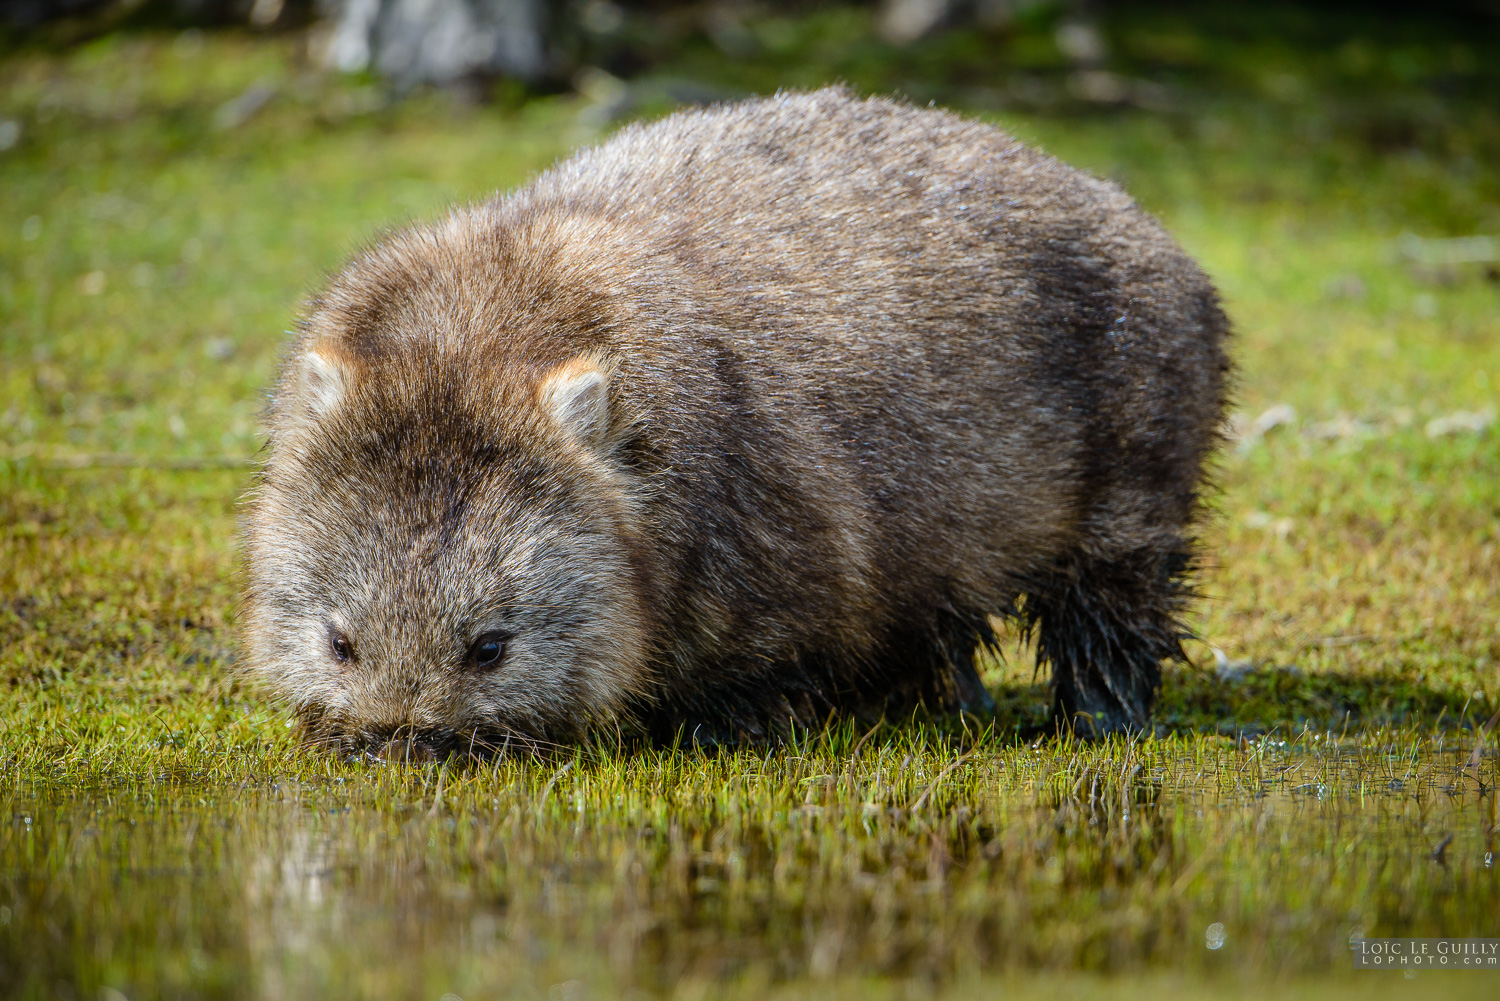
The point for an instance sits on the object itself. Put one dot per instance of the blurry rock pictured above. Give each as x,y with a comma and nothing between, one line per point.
441,41
237,111
726,30
1281,527
1099,87
265,13
188,44
1460,422
1345,287
1152,96
1449,252
1339,428
600,17
10,133
1448,261
1272,417
1081,43
607,96
1230,671
904,21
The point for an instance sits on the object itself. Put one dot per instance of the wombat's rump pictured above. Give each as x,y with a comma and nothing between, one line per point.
746,416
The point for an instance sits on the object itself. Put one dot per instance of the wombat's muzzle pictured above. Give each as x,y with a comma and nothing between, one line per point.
406,744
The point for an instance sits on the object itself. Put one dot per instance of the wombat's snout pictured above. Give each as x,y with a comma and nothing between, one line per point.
407,744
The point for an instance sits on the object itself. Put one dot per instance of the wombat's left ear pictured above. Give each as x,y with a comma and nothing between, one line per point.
575,394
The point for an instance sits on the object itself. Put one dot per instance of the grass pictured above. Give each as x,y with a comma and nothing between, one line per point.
164,835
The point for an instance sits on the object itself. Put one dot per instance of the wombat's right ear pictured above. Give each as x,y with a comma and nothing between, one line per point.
575,394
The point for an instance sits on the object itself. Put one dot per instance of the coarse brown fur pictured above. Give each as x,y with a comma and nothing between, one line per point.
743,417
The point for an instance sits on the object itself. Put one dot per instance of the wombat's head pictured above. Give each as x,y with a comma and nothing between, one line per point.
439,558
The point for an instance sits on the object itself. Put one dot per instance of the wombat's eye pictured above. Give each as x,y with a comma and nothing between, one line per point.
343,650
487,650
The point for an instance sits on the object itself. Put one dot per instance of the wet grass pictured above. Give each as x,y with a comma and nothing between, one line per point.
161,834
946,861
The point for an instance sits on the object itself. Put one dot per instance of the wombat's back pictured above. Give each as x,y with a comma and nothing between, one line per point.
919,369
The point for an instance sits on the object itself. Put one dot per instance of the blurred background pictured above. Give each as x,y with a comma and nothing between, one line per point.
179,173
1102,49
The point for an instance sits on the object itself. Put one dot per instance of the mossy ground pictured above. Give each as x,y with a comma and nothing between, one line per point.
165,836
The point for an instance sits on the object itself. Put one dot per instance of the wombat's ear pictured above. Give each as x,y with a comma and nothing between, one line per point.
575,394
322,380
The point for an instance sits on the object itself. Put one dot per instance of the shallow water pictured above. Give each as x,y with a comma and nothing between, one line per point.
746,873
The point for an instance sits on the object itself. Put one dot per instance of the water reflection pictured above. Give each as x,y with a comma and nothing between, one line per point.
1262,857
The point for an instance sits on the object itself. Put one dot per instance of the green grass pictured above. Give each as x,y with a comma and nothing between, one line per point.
164,834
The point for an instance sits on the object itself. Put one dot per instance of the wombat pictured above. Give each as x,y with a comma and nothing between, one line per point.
742,419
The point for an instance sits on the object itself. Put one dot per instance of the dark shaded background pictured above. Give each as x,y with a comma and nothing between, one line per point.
544,43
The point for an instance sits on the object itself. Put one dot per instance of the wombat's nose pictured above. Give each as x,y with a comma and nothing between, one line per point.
407,750
418,747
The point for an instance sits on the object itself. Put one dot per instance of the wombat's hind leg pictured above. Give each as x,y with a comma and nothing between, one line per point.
1105,626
